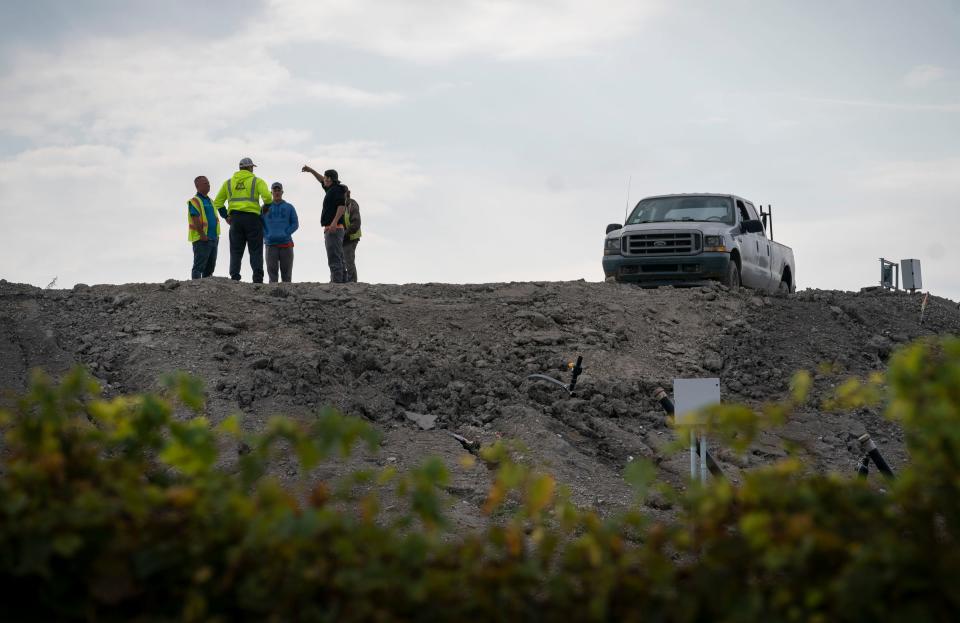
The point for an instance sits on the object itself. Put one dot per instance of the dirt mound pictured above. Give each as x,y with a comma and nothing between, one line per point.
421,361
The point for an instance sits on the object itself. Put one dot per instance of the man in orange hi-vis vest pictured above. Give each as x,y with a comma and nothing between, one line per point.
203,229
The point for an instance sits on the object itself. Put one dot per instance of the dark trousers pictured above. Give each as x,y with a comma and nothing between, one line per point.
246,230
282,258
333,241
204,258
350,259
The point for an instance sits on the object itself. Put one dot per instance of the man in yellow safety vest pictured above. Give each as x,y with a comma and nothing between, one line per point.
242,194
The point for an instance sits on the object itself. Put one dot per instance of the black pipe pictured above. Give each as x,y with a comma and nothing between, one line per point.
575,373
867,445
473,447
661,396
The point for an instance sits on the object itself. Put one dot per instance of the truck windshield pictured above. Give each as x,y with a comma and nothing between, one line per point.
673,209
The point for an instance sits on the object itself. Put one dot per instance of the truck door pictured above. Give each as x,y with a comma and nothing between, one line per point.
750,274
764,256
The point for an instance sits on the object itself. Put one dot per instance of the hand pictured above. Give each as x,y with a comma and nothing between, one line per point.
306,169
204,239
228,220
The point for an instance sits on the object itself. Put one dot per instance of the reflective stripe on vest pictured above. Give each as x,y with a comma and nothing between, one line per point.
192,234
346,222
253,191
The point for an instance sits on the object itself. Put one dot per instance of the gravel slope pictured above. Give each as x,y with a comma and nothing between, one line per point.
455,358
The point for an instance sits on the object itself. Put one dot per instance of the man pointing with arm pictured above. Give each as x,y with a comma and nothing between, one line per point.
242,194
334,203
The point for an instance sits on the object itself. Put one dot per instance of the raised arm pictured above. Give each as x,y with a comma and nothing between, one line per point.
308,169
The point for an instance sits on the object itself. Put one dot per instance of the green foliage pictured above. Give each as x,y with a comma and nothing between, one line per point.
122,509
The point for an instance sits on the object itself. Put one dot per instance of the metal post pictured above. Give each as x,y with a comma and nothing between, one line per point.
894,268
693,455
703,457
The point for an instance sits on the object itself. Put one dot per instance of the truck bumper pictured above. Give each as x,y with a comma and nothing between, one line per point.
675,270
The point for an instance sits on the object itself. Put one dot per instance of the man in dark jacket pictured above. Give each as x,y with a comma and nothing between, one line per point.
279,223
331,217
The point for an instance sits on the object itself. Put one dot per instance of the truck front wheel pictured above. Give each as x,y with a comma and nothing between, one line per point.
732,277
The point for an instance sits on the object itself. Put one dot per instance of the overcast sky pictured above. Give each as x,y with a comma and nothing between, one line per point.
485,140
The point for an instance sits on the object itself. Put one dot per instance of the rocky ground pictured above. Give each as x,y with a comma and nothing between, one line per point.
423,361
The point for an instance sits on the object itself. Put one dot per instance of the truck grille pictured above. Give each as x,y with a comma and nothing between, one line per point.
662,243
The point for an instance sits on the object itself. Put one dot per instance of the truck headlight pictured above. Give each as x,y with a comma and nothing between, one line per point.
611,246
713,243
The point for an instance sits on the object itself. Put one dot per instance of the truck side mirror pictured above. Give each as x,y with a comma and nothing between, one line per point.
613,227
752,226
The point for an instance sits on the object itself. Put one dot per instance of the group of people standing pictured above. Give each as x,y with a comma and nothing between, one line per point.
254,225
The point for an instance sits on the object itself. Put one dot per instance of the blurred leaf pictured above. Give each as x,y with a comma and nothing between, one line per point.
230,425
800,386
187,389
539,493
192,448
640,474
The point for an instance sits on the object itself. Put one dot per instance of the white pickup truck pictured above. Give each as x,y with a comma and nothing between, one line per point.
692,238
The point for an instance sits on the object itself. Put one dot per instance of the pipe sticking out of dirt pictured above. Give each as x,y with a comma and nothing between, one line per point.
548,379
473,447
576,369
868,446
661,396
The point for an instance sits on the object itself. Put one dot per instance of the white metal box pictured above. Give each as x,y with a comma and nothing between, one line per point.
910,274
692,394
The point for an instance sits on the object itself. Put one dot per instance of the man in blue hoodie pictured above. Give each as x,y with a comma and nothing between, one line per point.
279,223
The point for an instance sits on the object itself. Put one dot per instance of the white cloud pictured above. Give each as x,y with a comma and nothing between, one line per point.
345,94
923,75
878,104
103,89
431,31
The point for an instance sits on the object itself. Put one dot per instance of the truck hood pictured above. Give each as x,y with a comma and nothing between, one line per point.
707,227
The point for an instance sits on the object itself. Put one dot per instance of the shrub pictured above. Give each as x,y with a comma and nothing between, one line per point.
117,510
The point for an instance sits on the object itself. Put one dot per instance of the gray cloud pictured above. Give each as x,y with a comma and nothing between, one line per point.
478,134
429,31
923,75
